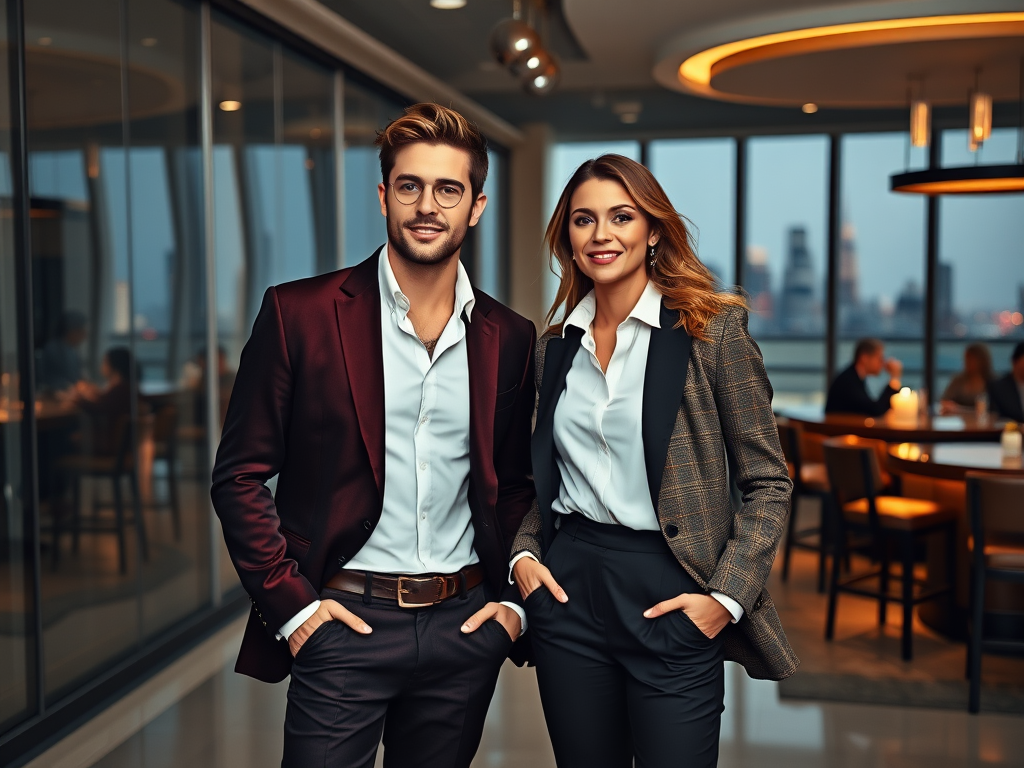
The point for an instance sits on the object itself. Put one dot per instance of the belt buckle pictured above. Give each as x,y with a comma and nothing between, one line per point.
402,591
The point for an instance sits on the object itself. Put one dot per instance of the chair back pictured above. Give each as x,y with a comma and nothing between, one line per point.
789,438
853,471
995,507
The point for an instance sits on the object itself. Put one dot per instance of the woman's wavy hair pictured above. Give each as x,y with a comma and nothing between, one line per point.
687,285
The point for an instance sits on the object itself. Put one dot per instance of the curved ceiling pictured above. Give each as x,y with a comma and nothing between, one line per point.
867,73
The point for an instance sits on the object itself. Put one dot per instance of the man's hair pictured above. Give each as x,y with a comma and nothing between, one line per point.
434,124
867,347
1018,352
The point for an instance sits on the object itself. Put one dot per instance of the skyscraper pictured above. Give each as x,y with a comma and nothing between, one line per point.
797,311
849,267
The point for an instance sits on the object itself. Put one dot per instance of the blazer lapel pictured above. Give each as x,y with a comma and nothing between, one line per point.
558,357
482,347
668,357
358,313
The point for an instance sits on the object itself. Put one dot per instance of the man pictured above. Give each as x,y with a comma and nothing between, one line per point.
848,394
1006,395
395,403
60,366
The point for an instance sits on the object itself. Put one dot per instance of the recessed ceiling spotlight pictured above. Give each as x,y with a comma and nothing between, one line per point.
809,108
230,105
447,5
149,42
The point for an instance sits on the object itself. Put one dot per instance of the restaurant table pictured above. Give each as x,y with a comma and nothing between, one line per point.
965,428
937,471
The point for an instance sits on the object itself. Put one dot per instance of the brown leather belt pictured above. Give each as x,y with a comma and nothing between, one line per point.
409,591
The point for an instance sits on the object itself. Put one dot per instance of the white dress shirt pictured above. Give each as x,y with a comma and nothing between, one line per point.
426,525
598,429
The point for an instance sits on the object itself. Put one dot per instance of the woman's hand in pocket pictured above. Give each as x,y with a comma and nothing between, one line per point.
531,575
709,615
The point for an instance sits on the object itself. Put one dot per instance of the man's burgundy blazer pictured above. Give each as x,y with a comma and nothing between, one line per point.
308,406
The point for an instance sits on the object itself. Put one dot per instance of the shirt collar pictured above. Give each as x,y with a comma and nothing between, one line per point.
465,298
647,310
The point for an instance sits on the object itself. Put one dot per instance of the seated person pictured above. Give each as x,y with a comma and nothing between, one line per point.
848,394
1006,395
60,366
964,388
111,405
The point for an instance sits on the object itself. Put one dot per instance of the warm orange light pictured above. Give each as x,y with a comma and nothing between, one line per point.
698,69
966,186
230,105
920,123
981,119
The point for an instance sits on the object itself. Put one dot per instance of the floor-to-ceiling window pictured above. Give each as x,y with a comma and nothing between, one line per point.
980,285
366,112
785,257
880,280
17,641
699,177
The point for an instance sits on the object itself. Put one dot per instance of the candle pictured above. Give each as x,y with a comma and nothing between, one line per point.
904,406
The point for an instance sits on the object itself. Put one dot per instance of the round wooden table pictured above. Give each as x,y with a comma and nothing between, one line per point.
966,428
937,471
952,461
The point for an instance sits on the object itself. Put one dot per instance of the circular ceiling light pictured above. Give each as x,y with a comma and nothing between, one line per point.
809,108
230,105
545,81
513,41
447,5
697,71
970,180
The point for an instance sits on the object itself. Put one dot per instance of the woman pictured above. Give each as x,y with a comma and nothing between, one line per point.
964,388
652,397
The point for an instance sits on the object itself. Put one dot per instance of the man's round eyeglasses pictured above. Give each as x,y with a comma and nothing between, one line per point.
445,195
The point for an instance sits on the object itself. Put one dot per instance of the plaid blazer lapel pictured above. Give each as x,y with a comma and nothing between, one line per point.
668,358
558,357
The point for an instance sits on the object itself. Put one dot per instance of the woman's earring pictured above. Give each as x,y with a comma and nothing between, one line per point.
653,256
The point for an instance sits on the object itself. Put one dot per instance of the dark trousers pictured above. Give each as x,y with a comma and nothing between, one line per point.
417,678
616,686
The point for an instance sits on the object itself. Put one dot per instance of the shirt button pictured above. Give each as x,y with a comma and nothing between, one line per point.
367,524
423,465
341,560
424,420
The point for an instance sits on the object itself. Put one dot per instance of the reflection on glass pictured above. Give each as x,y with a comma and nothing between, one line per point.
169,312
16,638
785,257
274,186
980,297
880,286
699,176
366,112
93,530
488,274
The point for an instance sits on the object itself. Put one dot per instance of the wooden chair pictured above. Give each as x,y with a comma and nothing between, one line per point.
116,466
165,448
880,522
995,507
809,479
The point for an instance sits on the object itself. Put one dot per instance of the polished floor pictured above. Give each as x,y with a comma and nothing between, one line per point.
202,715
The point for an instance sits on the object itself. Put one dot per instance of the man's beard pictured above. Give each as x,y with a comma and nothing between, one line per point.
419,253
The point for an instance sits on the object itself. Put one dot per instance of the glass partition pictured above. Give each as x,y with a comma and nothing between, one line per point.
17,640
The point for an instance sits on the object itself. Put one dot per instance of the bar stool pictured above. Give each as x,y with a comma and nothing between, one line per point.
810,479
995,506
880,521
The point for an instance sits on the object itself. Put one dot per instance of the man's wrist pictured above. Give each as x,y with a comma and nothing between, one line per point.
520,613
297,620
